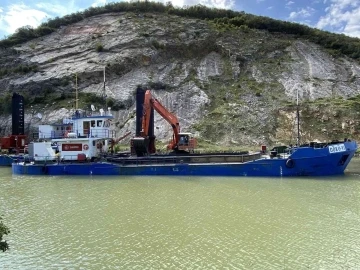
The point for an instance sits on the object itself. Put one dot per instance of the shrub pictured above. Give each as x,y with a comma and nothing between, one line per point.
99,47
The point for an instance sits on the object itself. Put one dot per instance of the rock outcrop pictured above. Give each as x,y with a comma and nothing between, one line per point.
228,87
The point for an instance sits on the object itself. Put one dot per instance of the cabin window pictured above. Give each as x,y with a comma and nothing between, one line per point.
107,123
93,123
99,123
57,128
93,143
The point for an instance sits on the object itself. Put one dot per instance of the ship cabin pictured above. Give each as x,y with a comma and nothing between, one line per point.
91,131
80,125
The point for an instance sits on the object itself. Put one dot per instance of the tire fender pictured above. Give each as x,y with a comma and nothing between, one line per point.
290,163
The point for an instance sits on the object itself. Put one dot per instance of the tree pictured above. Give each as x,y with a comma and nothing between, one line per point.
3,231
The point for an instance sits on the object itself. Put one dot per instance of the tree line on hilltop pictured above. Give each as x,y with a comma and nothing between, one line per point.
336,43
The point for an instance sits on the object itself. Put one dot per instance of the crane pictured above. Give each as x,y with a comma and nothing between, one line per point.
180,142
113,142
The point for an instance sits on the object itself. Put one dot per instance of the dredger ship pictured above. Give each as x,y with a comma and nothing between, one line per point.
84,145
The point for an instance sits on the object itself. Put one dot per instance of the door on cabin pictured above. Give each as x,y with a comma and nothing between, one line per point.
86,128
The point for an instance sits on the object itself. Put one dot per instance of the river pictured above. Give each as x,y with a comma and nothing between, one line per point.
181,222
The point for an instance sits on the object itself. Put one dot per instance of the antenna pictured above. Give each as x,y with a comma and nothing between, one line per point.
92,107
101,111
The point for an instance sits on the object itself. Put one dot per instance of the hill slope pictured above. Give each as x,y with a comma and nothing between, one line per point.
228,85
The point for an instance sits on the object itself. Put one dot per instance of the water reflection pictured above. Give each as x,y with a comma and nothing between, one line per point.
181,223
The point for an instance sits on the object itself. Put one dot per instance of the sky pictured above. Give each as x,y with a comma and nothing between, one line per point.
338,16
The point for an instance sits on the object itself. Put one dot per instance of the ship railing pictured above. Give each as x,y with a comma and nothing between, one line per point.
48,159
90,133
37,159
86,133
47,135
208,159
84,114
100,133
140,162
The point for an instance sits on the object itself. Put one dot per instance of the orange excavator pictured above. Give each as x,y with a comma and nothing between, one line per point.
180,142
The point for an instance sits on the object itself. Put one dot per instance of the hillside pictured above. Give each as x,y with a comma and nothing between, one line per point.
228,85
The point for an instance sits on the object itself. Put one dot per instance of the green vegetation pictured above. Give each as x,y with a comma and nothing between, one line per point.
157,44
5,104
60,100
207,146
3,231
99,47
21,69
226,19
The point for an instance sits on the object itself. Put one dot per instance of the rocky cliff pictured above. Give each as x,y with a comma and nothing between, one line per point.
228,86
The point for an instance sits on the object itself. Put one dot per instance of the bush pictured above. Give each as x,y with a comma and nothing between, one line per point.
99,47
157,44
3,231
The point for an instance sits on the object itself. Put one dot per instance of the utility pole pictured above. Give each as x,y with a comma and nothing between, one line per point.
297,118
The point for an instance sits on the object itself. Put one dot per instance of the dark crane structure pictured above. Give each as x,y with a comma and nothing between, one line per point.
17,140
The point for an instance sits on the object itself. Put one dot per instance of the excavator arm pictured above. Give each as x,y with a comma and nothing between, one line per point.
150,102
144,145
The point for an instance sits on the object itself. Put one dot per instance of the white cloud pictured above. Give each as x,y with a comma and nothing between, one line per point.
302,13
290,3
20,15
225,4
53,8
342,16
98,3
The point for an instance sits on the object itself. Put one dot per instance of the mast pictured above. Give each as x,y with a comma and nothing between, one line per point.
76,94
104,91
297,118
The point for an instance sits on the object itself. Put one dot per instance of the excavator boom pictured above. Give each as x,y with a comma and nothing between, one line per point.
179,142
151,102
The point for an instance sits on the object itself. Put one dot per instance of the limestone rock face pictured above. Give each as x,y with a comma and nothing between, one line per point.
227,87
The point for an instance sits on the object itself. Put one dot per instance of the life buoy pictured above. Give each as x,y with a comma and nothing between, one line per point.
290,163
85,147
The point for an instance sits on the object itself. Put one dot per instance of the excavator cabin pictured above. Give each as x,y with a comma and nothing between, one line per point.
187,142
144,144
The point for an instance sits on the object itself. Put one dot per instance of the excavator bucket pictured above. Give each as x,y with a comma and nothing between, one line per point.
140,146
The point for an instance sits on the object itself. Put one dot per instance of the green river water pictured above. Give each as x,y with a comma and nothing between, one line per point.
181,222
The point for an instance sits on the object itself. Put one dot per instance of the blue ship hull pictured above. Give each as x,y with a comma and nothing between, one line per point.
304,161
7,160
